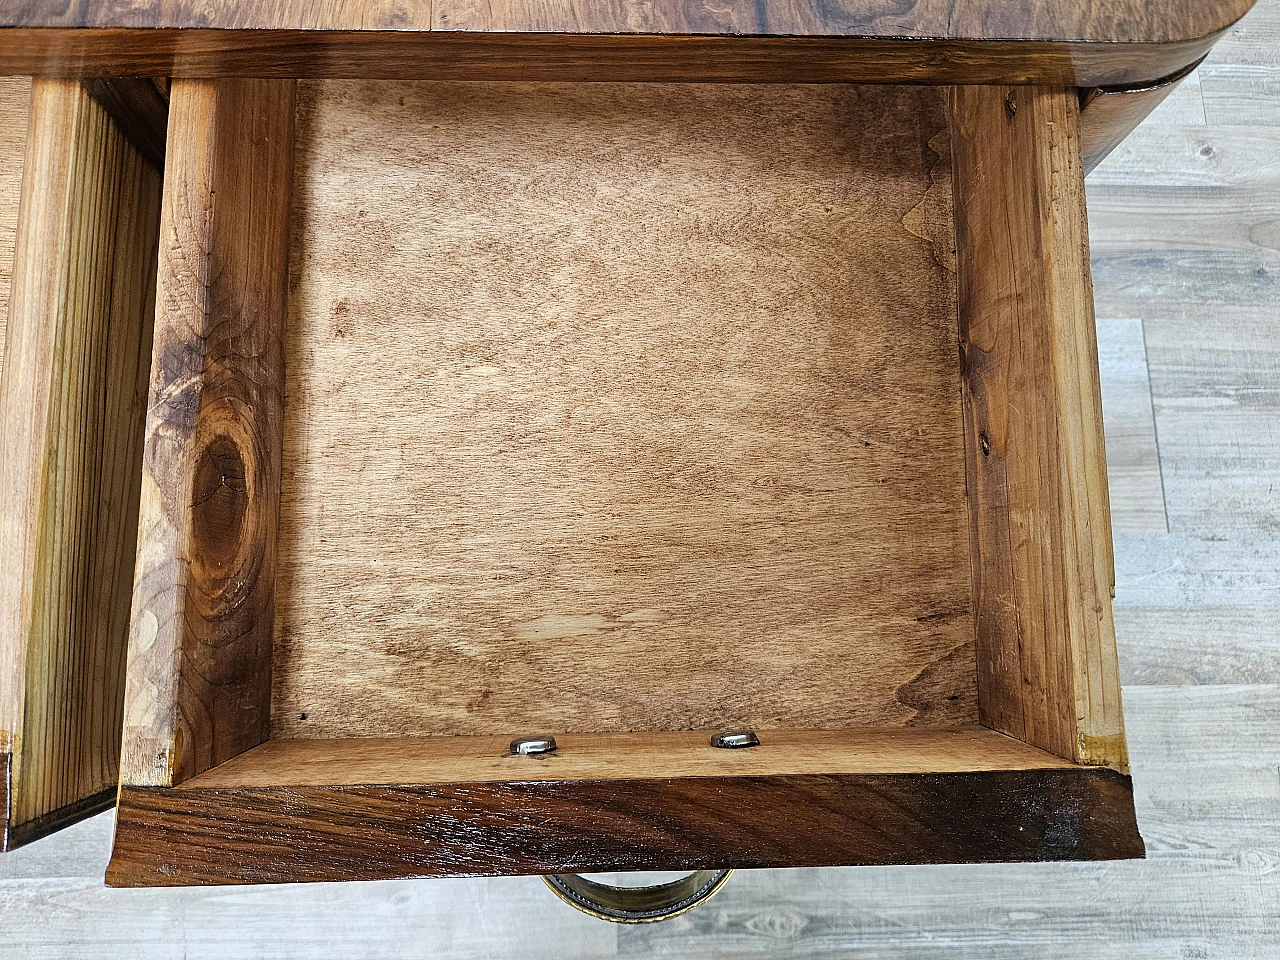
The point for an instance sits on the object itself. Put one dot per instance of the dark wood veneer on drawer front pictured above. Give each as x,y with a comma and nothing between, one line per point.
1066,42
286,812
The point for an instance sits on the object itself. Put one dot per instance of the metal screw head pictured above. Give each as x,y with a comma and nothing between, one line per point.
735,739
533,746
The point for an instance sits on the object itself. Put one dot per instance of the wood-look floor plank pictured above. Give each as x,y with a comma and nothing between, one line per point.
1204,908
1181,570
1158,245
1183,106
1198,610
1210,759
1133,461
75,852
1254,39
1117,911
1215,382
1187,156
1242,73
1198,643
1241,76
1242,95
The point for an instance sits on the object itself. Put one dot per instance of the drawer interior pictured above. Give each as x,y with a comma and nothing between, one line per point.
618,408
623,413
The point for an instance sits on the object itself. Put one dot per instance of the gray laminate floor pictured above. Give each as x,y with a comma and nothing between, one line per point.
1186,245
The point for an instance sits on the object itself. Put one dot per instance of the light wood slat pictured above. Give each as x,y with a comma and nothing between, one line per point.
139,106
199,676
1040,519
1133,462
78,350
15,106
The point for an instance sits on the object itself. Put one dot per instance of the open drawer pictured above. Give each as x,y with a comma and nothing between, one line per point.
626,413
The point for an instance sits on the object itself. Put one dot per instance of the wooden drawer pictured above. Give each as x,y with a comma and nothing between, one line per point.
626,413
80,205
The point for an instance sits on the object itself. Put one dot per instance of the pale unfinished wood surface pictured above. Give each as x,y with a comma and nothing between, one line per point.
15,108
620,407
200,637
77,352
624,756
1041,525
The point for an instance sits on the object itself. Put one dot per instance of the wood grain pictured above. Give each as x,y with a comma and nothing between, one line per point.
139,107
1109,114
282,834
15,111
460,55
621,756
1204,758
620,408
1041,534
200,647
1094,21
77,354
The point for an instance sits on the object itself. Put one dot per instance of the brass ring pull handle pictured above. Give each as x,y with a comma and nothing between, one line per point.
637,904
